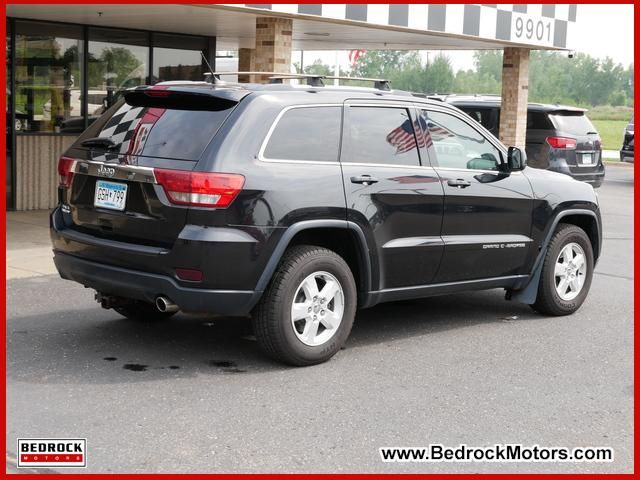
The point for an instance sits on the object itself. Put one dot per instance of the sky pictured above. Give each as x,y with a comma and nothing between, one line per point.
601,30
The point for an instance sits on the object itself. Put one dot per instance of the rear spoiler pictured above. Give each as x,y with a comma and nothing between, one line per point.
568,111
184,98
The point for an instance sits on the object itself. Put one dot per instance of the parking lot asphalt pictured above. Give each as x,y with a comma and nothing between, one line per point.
194,394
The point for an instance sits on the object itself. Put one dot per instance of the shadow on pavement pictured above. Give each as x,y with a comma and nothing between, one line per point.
100,347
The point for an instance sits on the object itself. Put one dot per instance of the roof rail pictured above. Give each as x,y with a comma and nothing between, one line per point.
378,83
315,80
274,77
312,80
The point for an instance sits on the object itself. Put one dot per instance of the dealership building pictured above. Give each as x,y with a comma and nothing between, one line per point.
66,63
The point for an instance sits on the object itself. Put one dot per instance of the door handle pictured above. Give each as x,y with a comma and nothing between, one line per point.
364,179
459,183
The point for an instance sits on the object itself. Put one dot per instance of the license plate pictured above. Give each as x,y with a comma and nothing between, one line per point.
110,195
586,159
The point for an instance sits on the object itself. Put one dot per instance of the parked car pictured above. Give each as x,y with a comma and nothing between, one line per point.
626,152
559,138
300,204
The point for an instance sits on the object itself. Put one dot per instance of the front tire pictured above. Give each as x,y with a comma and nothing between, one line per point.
566,273
306,314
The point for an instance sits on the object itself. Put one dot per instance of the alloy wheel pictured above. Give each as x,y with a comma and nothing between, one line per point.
317,309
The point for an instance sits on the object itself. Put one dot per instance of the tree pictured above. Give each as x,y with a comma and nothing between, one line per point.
318,68
120,65
383,63
553,77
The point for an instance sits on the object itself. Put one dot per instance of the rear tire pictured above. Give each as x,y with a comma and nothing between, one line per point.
307,312
142,312
566,273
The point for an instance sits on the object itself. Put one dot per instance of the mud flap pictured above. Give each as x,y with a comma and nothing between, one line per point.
529,293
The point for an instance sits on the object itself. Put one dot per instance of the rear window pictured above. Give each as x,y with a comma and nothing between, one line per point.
156,131
309,133
538,121
573,123
483,116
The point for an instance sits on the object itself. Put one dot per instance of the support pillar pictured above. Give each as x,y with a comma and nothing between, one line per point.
515,96
273,46
246,63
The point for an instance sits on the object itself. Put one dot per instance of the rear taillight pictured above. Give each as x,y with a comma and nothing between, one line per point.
199,189
564,143
66,167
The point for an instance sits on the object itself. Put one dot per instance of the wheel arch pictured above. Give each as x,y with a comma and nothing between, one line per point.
344,237
586,219
589,224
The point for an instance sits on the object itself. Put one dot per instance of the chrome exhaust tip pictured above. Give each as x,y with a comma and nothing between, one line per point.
163,304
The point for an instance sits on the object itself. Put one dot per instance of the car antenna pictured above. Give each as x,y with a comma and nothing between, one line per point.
210,76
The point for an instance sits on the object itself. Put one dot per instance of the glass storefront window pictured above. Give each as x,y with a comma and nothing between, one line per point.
48,75
9,123
49,93
177,57
118,59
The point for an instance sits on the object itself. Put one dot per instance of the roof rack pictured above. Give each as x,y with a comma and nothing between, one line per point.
378,83
314,80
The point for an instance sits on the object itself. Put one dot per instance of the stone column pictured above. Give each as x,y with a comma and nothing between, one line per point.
246,63
273,46
515,96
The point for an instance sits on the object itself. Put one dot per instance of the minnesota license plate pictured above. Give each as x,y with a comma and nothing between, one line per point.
587,159
110,195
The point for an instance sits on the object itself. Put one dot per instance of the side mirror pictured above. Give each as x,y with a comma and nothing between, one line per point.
516,159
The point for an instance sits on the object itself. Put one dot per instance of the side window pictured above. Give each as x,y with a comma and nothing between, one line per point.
538,121
382,135
458,145
306,133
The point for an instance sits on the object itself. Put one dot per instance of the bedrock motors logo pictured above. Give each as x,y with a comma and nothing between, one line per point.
52,452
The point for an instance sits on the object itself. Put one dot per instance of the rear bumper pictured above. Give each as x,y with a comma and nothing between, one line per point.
144,286
626,155
594,178
145,272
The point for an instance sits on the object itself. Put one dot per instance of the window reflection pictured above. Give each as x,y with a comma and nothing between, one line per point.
9,125
48,75
117,60
50,94
380,135
177,58
458,145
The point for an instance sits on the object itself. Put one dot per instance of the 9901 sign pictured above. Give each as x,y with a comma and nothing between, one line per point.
530,29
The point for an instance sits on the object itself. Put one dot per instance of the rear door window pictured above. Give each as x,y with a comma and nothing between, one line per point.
306,133
158,131
572,123
380,135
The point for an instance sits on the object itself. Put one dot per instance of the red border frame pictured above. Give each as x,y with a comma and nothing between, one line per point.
3,350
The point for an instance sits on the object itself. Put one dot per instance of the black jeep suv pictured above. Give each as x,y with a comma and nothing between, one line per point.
559,138
626,152
300,204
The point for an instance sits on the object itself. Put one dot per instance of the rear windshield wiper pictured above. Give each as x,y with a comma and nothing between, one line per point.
105,142
592,133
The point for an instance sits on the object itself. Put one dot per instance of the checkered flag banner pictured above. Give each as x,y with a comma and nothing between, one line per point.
122,126
526,24
129,128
